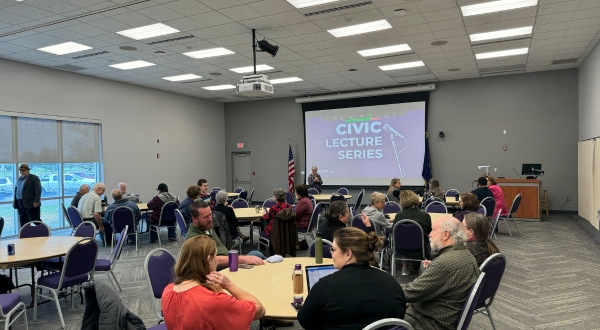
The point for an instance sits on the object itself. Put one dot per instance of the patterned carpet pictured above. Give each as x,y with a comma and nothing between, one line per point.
551,280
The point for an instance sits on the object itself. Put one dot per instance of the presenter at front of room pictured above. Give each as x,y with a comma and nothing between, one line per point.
314,179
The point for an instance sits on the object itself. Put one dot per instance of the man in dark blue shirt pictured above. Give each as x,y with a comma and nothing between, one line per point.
482,190
118,202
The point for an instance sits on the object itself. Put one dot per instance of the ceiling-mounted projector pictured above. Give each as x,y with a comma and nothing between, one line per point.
255,85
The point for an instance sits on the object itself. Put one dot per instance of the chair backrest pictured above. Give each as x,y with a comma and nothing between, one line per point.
352,211
238,190
493,267
386,323
515,205
122,217
159,270
326,251
215,189
181,222
391,207
81,259
66,214
117,251
243,195
436,207
490,205
387,199
313,201
342,191
213,196
167,213
452,192
240,203
289,198
268,203
359,199
482,210
34,229
74,216
250,197
314,217
408,235
313,191
86,229
336,197
357,222
433,199
469,306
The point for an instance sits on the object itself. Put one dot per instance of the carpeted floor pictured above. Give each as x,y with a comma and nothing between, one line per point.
551,280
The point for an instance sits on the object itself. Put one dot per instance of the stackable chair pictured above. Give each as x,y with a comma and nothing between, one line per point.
436,207
509,216
311,224
490,205
243,195
469,306
356,205
387,323
213,195
159,272
343,191
493,267
482,210
166,220
313,191
406,235
336,197
268,203
357,223
74,217
326,251
66,215
289,198
180,223
238,190
250,196
10,309
106,266
123,217
391,207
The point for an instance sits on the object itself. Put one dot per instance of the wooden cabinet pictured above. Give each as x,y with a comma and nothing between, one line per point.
529,189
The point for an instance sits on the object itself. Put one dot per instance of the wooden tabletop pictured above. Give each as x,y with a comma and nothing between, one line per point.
272,284
450,200
29,250
248,213
434,216
325,198
233,194
141,206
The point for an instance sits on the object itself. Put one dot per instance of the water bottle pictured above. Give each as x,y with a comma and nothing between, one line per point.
298,280
319,249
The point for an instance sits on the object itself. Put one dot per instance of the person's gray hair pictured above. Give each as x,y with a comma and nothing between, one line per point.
314,168
279,194
454,227
221,197
84,187
100,185
120,183
376,197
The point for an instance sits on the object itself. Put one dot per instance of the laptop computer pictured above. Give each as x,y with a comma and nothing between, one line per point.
315,273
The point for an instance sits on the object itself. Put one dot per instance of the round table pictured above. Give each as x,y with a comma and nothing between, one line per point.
450,200
247,213
320,198
271,284
434,216
30,250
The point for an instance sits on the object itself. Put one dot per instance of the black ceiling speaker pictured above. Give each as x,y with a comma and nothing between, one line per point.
441,134
266,47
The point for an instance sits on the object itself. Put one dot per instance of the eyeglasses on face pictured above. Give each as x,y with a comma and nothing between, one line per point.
331,250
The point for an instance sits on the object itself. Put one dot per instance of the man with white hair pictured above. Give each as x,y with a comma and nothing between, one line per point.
90,208
126,195
437,296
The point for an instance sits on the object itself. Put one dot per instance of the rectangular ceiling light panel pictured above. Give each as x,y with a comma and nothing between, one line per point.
502,53
182,77
213,52
248,69
285,80
501,34
496,6
402,66
384,50
360,28
309,3
148,31
64,48
131,65
218,87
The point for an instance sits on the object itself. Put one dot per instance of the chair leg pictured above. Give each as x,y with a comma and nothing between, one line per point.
158,235
136,242
114,236
506,222
72,298
25,317
35,304
515,224
115,278
489,314
62,321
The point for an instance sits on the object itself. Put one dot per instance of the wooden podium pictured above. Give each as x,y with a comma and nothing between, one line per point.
530,189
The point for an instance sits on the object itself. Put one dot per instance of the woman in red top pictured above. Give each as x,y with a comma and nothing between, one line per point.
304,208
196,299
498,196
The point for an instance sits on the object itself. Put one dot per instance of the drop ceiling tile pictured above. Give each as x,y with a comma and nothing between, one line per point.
212,18
557,8
318,36
407,21
546,42
586,37
356,39
445,25
303,28
187,7
562,17
220,4
287,18
27,11
416,29
260,23
419,37
54,6
442,35
551,27
517,23
8,18
110,25
270,7
133,19
207,33
584,23
160,13
240,13
442,15
583,31
289,41
87,30
433,56
585,4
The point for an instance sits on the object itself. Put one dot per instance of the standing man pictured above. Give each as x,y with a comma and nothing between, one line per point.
90,208
28,192
314,179
126,195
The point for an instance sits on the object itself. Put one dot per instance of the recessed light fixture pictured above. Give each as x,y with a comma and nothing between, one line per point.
247,69
285,80
64,48
309,3
182,77
360,28
384,50
213,52
496,6
218,87
148,31
402,66
131,65
502,53
501,34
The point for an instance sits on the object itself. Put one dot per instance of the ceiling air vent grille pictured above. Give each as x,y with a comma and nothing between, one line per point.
502,69
325,11
90,55
171,39
565,61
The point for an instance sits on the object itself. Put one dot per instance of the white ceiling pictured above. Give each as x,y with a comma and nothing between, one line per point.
563,29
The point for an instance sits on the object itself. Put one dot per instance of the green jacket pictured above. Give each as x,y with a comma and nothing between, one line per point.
193,232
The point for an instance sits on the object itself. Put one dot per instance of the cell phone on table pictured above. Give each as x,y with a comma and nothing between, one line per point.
245,266
296,306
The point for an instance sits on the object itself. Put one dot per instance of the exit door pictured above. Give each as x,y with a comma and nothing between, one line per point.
242,170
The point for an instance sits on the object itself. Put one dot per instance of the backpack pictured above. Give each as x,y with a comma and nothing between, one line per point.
221,227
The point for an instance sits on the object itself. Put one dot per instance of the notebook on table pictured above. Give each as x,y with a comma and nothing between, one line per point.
315,273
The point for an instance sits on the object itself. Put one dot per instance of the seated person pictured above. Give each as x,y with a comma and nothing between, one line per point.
498,196
196,280
83,189
336,218
127,195
118,201
155,205
204,193
410,210
477,228
482,191
184,207
468,203
229,214
90,208
280,204
434,191
394,185
304,207
437,296
202,224
373,211
357,294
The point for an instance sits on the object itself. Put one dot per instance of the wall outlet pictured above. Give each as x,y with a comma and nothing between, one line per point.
568,199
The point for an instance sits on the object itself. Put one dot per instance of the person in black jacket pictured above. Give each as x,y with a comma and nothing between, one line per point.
28,192
221,199
357,294
482,190
337,217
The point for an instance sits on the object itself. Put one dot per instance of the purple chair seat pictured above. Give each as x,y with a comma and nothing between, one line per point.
51,281
102,265
8,301
53,263
161,326
265,236
302,230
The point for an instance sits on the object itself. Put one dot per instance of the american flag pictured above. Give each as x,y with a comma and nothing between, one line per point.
291,171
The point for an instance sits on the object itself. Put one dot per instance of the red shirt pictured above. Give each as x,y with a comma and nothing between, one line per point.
499,197
304,211
271,215
202,309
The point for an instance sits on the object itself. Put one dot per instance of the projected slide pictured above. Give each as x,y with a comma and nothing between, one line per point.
367,145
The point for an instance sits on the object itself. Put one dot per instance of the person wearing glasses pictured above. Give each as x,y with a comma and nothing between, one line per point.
28,192
357,294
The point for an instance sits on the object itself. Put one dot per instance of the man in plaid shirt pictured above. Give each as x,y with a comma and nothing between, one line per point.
437,296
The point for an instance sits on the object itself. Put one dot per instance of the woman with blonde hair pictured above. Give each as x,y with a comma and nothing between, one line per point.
394,185
195,300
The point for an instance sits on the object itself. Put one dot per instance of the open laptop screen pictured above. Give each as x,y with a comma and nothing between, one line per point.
315,273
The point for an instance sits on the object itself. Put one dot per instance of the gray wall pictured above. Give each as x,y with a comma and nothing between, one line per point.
190,130
538,111
589,96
